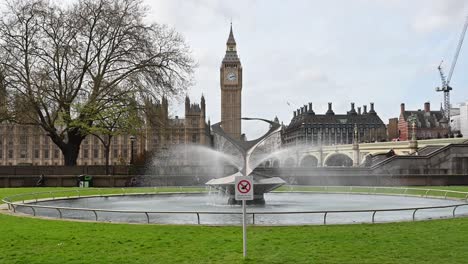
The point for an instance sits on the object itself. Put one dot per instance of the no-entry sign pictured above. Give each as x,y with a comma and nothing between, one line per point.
244,188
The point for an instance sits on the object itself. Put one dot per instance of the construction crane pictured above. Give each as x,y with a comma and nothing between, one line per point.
446,81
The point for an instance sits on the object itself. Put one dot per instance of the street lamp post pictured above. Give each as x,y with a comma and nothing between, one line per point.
132,142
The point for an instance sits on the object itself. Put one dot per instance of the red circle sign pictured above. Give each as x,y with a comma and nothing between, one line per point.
244,186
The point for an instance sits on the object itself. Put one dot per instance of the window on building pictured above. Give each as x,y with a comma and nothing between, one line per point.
116,153
24,140
95,153
23,153
1,152
46,154
194,138
56,154
36,154
124,153
85,153
10,154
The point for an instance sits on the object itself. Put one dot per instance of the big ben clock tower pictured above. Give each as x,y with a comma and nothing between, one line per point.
231,89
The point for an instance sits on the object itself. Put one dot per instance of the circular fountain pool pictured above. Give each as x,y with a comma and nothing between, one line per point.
282,208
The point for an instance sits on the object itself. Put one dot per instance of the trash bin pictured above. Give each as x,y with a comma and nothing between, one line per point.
85,181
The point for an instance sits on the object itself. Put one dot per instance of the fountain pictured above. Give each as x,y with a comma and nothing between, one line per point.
195,165
262,183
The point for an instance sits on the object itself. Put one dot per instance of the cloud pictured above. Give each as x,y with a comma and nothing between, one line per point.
438,15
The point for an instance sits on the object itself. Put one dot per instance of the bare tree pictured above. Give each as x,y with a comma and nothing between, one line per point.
69,63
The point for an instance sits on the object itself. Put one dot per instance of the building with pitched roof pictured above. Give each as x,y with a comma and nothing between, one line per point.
307,127
427,123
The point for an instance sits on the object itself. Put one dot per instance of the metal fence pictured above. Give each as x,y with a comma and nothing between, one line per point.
26,201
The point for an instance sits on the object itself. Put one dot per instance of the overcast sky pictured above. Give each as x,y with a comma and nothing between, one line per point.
340,51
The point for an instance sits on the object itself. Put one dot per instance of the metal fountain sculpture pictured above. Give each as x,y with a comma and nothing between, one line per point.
262,183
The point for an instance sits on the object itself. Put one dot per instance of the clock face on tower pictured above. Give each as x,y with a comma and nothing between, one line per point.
231,76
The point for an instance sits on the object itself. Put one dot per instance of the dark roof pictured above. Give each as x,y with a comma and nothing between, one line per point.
348,119
425,119
231,39
231,55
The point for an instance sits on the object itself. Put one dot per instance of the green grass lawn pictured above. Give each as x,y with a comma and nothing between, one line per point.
30,240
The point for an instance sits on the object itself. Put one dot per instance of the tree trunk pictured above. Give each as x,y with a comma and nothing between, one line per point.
71,148
70,153
106,153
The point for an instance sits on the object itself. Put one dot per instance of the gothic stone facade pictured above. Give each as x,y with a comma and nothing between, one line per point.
162,132
30,145
231,90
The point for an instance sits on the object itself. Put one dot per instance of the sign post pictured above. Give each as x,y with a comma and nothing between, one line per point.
244,192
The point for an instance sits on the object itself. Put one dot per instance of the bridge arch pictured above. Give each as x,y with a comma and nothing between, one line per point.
308,161
275,163
338,160
289,163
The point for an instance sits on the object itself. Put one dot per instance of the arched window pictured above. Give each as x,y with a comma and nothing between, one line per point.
339,160
309,161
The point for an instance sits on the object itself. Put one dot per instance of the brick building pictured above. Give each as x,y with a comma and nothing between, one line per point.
392,129
428,123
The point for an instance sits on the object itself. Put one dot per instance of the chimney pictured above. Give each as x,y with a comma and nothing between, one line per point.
359,110
402,108
352,111
305,108
294,113
311,111
330,111
302,110
427,107
371,111
365,110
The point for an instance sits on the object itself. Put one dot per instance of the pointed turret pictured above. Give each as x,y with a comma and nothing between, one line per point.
231,41
202,105
187,105
231,51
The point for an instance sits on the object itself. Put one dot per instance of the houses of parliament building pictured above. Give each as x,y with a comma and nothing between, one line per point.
30,145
